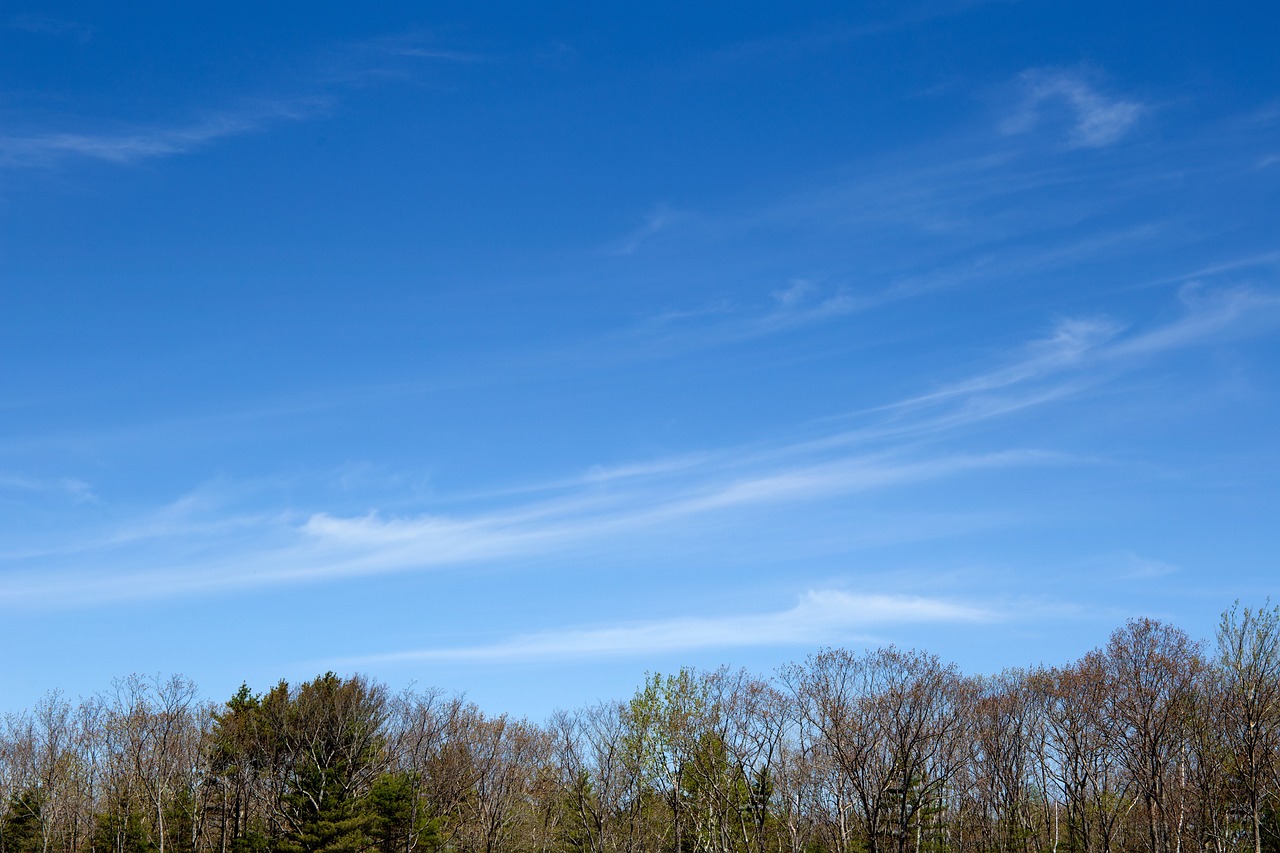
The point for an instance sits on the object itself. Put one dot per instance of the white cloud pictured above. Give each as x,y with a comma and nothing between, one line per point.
801,304
50,26
1079,348
77,490
167,553
137,144
661,218
1096,119
274,550
434,540
1069,345
1137,567
418,44
1210,315
819,617
797,290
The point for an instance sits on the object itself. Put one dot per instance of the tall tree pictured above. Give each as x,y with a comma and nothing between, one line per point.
1249,664
325,746
1152,671
892,723
665,720
753,725
1002,754
1075,755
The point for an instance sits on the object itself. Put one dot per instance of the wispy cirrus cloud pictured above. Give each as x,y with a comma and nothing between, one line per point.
1096,119
1081,346
168,556
419,45
798,305
657,500
819,617
661,218
198,545
900,16
1076,355
78,491
934,219
129,143
47,25
136,144
804,302
1138,567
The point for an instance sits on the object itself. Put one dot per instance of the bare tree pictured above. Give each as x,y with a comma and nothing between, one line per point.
892,728
46,775
797,780
1151,670
1249,666
1075,752
1002,761
597,780
156,741
448,768
1212,768
420,725
503,754
755,720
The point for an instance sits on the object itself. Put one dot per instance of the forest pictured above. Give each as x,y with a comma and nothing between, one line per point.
1154,742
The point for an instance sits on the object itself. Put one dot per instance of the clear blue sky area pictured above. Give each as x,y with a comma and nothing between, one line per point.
526,349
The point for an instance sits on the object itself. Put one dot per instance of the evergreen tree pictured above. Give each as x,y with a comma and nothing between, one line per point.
327,745
20,824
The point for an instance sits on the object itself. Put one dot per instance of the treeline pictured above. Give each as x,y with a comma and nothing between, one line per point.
1151,743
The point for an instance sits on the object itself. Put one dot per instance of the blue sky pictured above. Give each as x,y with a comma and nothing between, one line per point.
521,351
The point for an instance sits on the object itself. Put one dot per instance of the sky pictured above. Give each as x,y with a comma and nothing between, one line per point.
521,350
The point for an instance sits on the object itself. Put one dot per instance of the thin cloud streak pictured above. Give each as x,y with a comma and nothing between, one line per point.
281,548
1264,260
1077,348
1089,344
819,617
328,547
661,218
1099,120
142,142
962,203
77,490
445,539
146,143
904,16
50,26
417,44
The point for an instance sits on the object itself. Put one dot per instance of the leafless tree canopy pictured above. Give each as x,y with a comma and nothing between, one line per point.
1150,744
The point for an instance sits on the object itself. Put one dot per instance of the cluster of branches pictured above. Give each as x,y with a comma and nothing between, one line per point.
1148,744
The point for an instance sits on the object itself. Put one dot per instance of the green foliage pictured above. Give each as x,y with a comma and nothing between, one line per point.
318,749
323,744
251,841
1271,829
688,765
180,823
20,824
235,724
120,830
337,828
663,723
396,821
